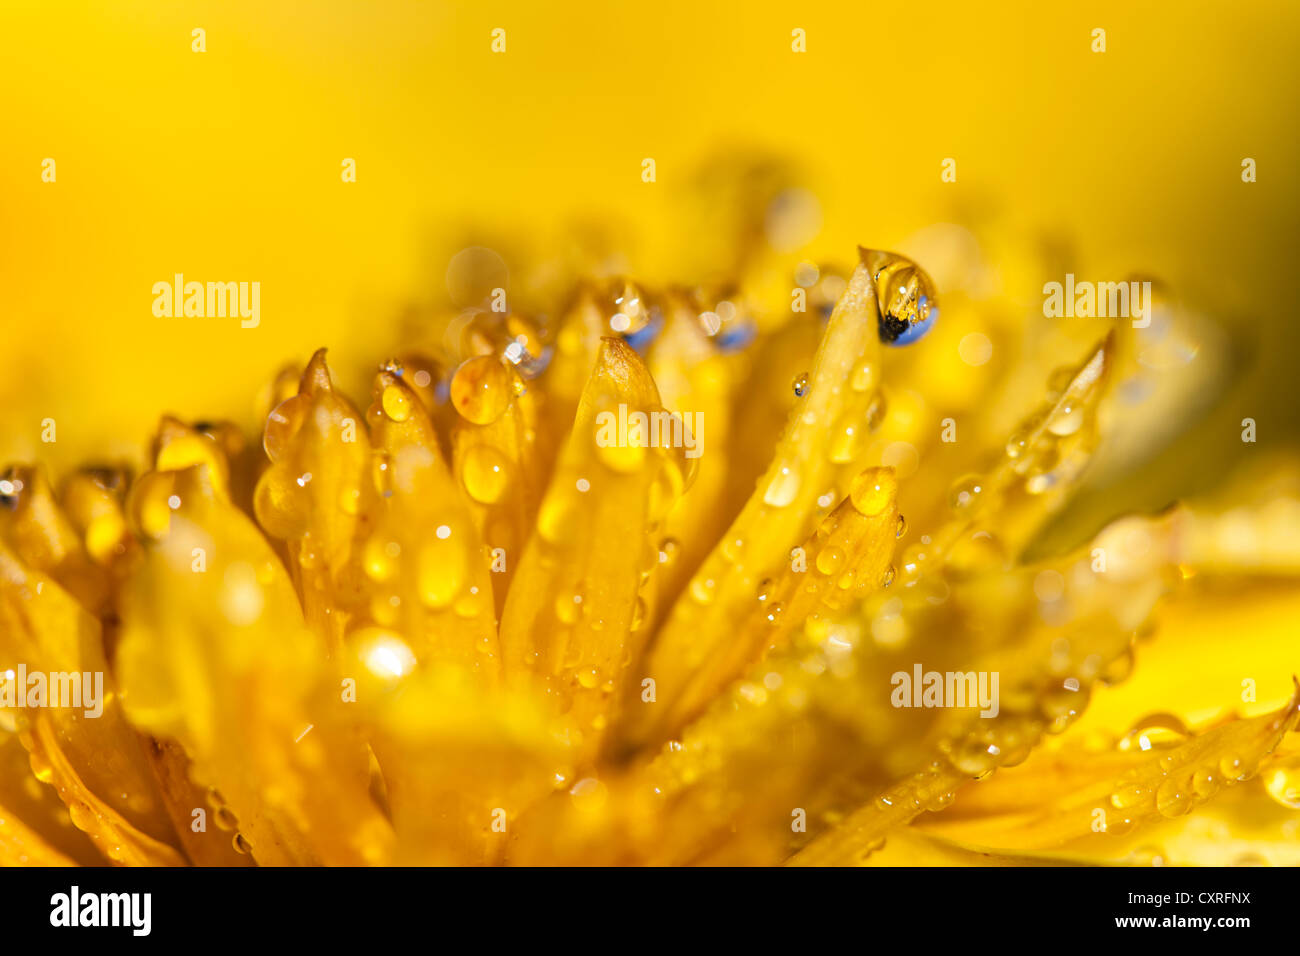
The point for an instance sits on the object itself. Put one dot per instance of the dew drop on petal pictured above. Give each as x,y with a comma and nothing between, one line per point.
905,296
1067,419
864,377
830,559
703,588
1174,797
396,404
846,439
965,494
481,390
873,490
783,487
485,474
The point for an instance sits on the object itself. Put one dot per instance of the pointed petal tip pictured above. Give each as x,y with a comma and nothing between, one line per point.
316,376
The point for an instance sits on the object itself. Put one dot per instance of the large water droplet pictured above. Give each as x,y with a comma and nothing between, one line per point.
830,559
396,404
905,295
1154,731
1174,798
873,490
1132,796
481,390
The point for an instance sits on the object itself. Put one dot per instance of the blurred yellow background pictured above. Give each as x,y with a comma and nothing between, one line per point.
225,165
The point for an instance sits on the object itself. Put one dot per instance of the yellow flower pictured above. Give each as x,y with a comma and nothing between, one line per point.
636,587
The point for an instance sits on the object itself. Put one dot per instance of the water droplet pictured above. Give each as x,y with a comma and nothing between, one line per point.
396,404
485,473
1235,767
1018,443
568,607
976,757
783,487
41,768
965,493
901,527
1206,782
1066,700
481,390
1067,420
914,560
801,385
873,490
1154,731
864,377
766,588
82,817
1119,824
1131,797
1174,798
703,588
905,296
846,439
887,578
830,559
875,413
225,819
